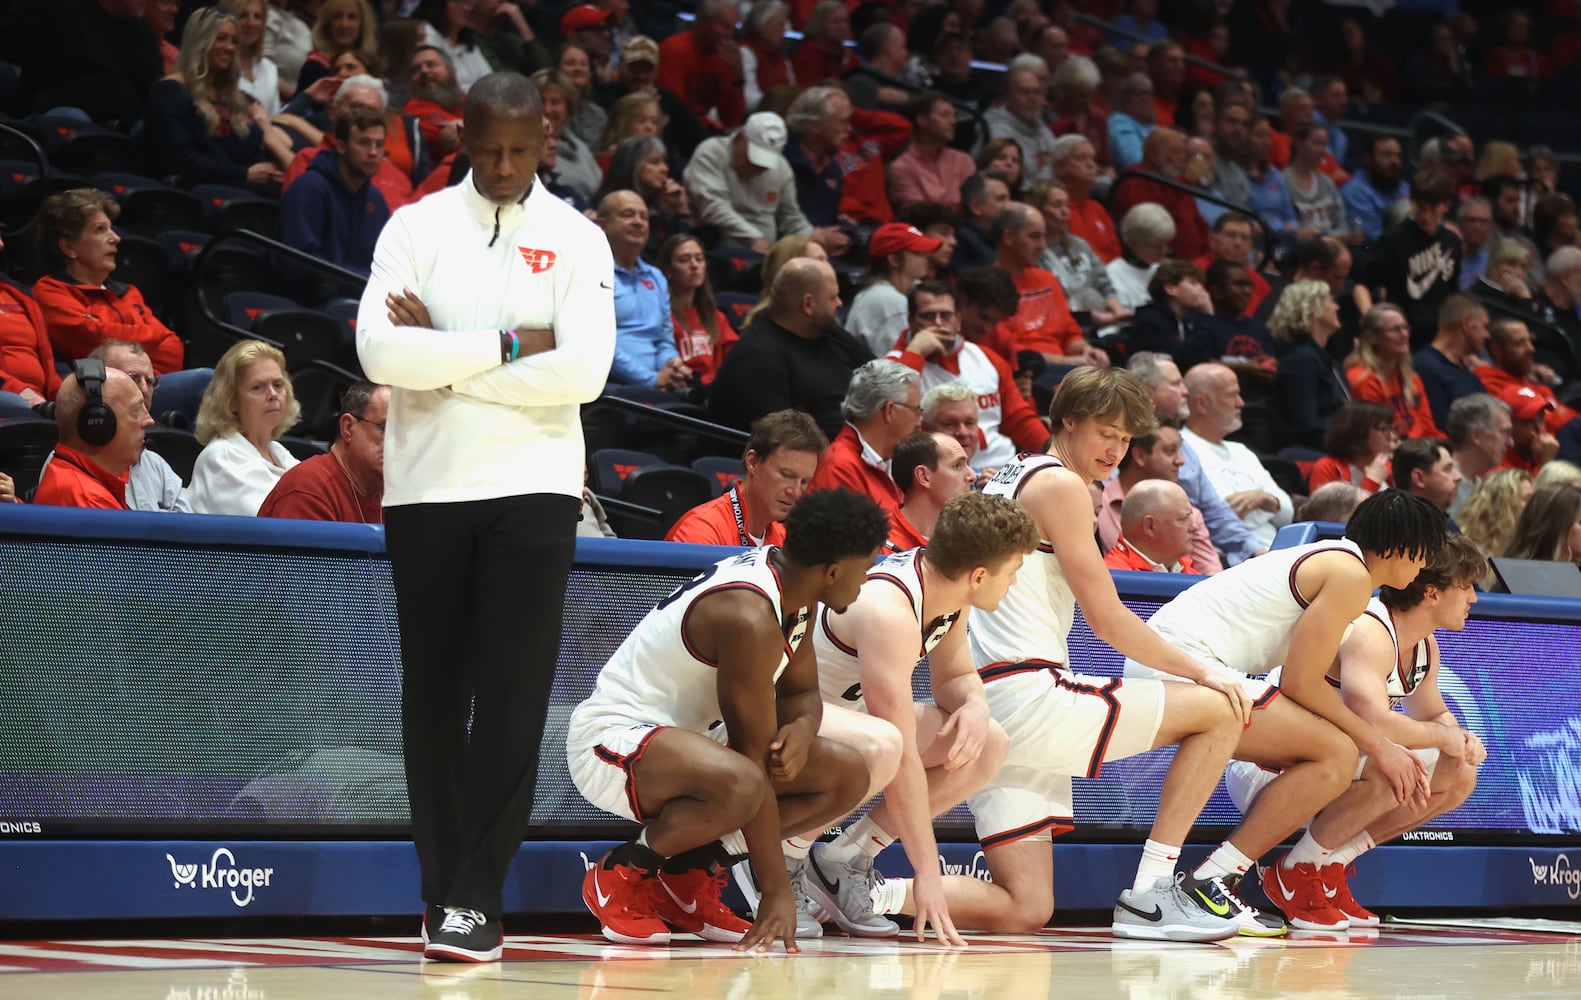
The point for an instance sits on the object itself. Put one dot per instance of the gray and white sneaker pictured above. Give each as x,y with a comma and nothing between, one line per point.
807,912
845,892
1168,912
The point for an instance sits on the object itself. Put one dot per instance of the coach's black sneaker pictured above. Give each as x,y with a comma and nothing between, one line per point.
465,936
433,916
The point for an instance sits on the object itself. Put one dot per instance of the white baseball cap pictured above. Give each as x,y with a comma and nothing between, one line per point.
765,132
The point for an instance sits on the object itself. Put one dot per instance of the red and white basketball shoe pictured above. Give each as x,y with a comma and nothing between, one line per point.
1336,881
1299,892
624,899
690,902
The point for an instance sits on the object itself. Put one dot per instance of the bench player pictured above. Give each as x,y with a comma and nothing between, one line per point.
1061,723
1391,659
917,604
725,650
1293,606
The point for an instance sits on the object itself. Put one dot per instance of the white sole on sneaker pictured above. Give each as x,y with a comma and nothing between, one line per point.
451,953
1172,932
661,937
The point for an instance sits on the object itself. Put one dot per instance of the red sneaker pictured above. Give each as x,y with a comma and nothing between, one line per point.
1334,880
1300,893
689,902
622,898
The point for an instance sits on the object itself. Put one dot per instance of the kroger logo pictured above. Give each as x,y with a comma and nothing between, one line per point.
220,872
1557,873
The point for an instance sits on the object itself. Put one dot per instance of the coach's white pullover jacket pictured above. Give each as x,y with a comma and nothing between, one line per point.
462,426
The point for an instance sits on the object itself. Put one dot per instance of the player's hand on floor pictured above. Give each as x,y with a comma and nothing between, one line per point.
776,922
932,912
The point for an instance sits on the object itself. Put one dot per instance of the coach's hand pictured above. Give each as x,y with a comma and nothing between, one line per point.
968,726
788,752
406,309
776,922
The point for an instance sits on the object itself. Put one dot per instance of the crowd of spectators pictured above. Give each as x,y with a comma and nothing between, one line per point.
922,216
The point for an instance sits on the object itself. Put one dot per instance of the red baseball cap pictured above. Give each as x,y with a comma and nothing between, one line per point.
893,237
583,16
1527,403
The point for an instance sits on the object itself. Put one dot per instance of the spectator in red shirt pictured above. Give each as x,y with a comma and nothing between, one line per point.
703,65
1231,241
1531,446
1380,371
930,468
1166,67
82,307
1076,167
346,483
84,473
703,334
1512,350
1359,442
434,99
1155,530
883,405
27,362
823,54
763,58
1043,323
1164,153
1515,58
782,455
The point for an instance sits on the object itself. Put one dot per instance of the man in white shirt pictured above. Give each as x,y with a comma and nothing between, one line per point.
1213,394
490,314
151,484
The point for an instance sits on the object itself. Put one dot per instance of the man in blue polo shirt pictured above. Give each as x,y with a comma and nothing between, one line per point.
1380,184
645,352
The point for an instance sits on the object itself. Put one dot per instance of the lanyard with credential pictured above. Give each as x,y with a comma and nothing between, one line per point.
741,523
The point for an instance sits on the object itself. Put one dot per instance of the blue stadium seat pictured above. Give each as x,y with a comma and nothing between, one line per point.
720,472
735,306
736,269
609,467
152,210
142,262
181,245
672,490
242,308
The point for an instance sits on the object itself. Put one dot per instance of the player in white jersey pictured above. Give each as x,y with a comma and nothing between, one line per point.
1294,606
1389,659
1062,723
917,604
726,649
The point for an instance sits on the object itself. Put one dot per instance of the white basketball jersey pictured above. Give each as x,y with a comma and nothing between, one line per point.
1404,678
1033,622
839,669
1243,617
656,676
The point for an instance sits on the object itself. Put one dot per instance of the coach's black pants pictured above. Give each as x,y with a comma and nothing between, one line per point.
480,587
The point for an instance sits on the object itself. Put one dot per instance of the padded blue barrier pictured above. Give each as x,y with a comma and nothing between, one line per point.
185,698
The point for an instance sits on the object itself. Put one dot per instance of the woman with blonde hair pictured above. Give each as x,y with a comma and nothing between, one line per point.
1379,371
1498,159
632,114
575,164
1489,515
1309,387
1558,471
341,25
260,77
199,125
784,250
245,409
1549,527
